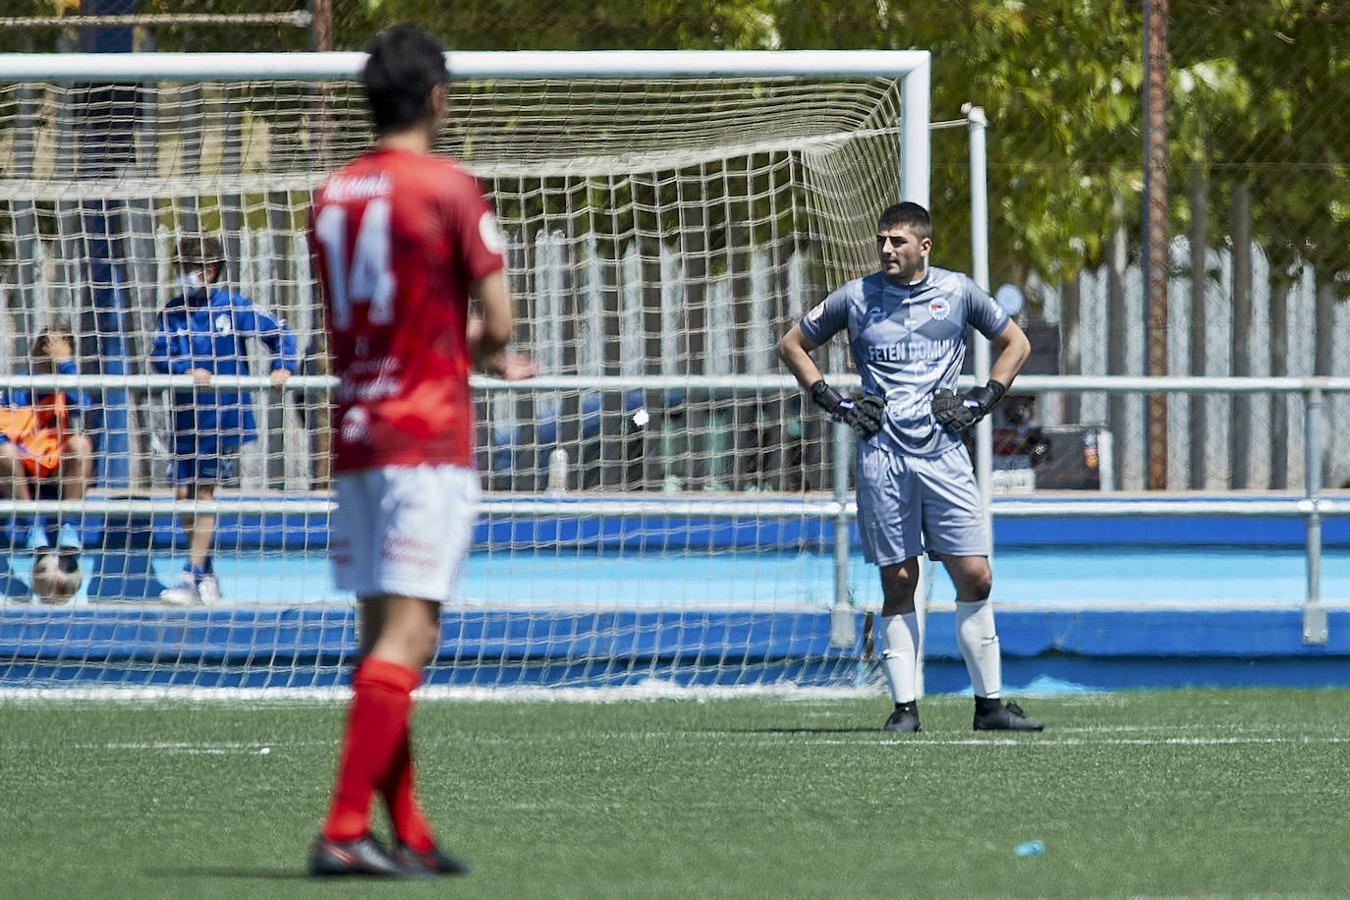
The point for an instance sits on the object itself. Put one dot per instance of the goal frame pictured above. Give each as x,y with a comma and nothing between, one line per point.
911,67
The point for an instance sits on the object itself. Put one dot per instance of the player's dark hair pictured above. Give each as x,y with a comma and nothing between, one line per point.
906,215
405,64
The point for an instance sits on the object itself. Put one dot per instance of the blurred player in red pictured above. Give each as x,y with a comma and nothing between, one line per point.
404,239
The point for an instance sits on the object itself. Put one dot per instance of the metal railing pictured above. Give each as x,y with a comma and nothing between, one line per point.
1312,506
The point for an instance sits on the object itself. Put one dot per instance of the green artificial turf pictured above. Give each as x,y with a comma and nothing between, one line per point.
1171,793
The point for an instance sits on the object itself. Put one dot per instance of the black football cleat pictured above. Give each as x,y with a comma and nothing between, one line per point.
903,721
434,861
1005,717
364,856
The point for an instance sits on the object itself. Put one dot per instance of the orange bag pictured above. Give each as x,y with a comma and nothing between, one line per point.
38,431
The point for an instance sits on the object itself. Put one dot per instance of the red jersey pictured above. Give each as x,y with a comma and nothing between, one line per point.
399,237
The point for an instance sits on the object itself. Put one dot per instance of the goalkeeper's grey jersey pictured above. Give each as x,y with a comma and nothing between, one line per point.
907,342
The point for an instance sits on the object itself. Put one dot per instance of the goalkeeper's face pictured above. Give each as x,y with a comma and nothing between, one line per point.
903,258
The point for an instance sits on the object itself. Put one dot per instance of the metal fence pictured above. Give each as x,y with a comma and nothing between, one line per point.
1313,505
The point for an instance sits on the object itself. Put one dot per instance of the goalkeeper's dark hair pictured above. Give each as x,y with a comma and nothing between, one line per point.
405,64
906,215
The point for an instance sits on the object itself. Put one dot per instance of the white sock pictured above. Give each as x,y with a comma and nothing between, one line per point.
901,634
978,640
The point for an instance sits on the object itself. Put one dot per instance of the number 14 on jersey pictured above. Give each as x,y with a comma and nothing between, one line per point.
366,276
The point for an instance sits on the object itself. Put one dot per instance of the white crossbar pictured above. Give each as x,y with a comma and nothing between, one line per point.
107,67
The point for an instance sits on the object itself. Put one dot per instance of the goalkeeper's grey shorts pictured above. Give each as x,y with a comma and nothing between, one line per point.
911,504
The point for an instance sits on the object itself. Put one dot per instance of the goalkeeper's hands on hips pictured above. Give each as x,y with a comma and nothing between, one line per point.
957,412
863,414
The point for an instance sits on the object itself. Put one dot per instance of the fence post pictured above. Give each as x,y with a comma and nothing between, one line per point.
1314,613
843,629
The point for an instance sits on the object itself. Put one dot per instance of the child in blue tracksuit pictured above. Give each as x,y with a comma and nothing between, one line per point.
202,333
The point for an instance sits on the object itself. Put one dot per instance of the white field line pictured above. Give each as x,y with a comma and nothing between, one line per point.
1100,736
1033,741
646,691
183,748
264,748
652,690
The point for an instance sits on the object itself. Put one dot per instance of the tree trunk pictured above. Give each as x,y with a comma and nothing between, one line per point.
1070,317
1240,426
1198,198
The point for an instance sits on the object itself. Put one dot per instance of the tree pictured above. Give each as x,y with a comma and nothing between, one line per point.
1061,84
1265,88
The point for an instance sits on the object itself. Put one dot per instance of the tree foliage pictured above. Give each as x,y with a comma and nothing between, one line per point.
1258,90
1060,83
1253,89
1260,100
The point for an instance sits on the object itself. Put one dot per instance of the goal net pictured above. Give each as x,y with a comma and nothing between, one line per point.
660,506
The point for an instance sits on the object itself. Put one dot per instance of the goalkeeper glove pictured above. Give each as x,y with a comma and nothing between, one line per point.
863,414
956,412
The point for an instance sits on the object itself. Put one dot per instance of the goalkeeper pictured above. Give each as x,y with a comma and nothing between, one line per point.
916,488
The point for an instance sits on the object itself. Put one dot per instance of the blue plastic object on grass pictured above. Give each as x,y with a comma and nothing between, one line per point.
1029,848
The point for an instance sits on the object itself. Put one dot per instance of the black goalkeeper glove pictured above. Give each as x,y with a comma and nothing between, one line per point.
957,412
863,414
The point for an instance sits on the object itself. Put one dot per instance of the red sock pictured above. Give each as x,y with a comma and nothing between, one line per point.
377,724
409,822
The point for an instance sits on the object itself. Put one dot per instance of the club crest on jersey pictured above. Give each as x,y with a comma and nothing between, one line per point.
939,309
223,324
355,426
